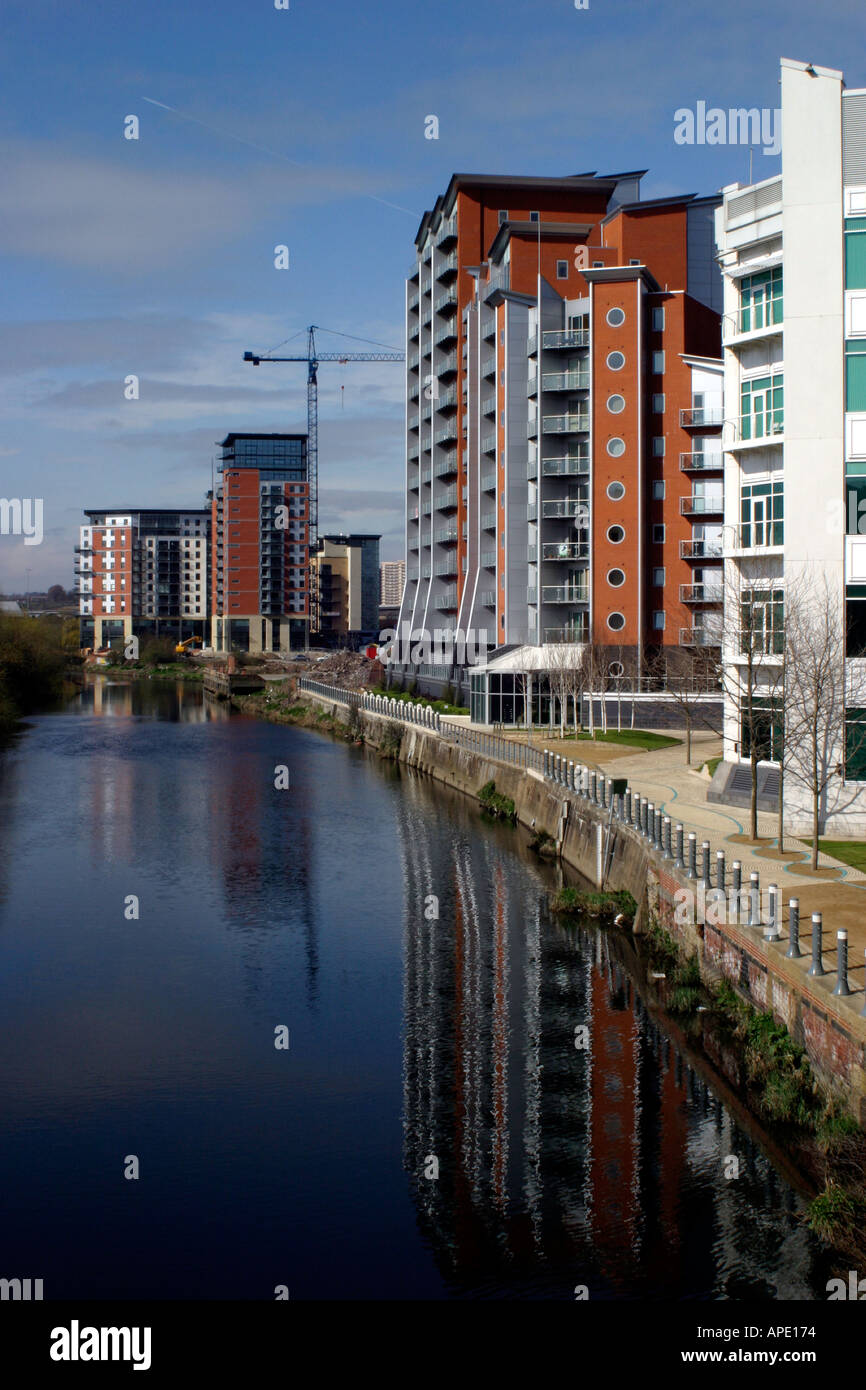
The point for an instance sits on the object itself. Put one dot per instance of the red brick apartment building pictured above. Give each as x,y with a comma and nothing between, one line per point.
564,408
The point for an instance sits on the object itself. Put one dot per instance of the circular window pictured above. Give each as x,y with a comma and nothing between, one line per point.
616,491
616,622
616,361
616,404
616,534
615,317
616,447
616,578
616,668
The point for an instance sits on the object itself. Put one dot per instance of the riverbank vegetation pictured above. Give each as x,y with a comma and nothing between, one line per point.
603,906
409,697
774,1072
34,653
496,805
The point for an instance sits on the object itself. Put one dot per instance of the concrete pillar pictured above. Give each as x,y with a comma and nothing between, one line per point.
793,952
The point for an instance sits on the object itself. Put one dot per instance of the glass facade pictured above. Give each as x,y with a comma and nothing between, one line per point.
762,621
762,514
761,300
762,406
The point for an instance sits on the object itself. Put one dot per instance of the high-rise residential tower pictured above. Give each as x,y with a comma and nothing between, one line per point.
261,518
564,480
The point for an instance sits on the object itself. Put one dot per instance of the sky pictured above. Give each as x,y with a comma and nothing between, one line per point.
302,127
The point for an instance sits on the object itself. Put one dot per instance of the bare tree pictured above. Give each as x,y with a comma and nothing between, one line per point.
563,664
688,675
751,644
818,691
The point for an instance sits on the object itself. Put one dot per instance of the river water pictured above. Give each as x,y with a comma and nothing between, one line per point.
431,1130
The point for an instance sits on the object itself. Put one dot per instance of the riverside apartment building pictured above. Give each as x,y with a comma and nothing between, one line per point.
261,538
142,572
793,255
564,409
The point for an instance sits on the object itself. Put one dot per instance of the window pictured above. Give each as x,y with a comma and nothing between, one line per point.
761,300
616,622
616,534
855,744
658,364
616,447
762,512
616,361
616,669
598,265
533,217
855,626
615,317
658,320
855,375
635,260
562,270
658,577
616,404
659,446
615,491
659,619
658,534
855,253
503,215
762,406
762,620
616,578
658,490
658,404
764,722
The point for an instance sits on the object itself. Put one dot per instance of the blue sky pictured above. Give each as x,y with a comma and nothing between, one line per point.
303,127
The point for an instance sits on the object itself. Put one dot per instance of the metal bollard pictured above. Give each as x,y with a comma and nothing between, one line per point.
736,890
842,963
817,966
793,952
771,931
636,804
720,869
667,838
705,876
627,813
692,871
754,900
679,861
657,830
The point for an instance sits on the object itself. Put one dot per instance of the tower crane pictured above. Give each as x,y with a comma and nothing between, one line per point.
312,358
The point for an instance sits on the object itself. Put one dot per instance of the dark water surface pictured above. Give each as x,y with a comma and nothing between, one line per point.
413,1041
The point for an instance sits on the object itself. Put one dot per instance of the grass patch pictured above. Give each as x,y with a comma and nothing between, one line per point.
711,764
542,842
406,697
851,852
837,1215
629,738
495,804
604,907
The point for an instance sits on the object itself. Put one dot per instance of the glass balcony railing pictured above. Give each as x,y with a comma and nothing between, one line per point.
565,381
566,424
566,466
760,314
565,550
703,417
712,504
565,593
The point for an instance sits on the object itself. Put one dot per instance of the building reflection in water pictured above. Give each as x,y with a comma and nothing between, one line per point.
562,1166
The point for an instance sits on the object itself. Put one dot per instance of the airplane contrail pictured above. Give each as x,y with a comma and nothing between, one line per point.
264,149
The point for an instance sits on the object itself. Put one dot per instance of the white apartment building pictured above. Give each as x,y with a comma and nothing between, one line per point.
793,256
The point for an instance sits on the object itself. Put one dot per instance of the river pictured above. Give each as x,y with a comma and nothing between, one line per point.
431,1131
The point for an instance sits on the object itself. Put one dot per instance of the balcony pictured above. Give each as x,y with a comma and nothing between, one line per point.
565,381
572,633
446,602
447,468
447,401
500,280
448,365
713,505
564,593
566,424
426,475
447,302
446,536
488,559
447,267
447,232
412,422
447,501
488,406
446,569
566,507
760,428
448,435
532,468
701,549
565,338
568,465
532,511
447,335
565,550
760,316
488,366
700,637
488,482
700,463
488,444
700,593
413,304
702,417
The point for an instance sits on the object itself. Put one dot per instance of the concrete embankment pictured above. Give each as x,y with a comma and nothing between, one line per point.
616,856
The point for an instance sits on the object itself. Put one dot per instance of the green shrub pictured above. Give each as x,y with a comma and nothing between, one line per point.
495,804
605,907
